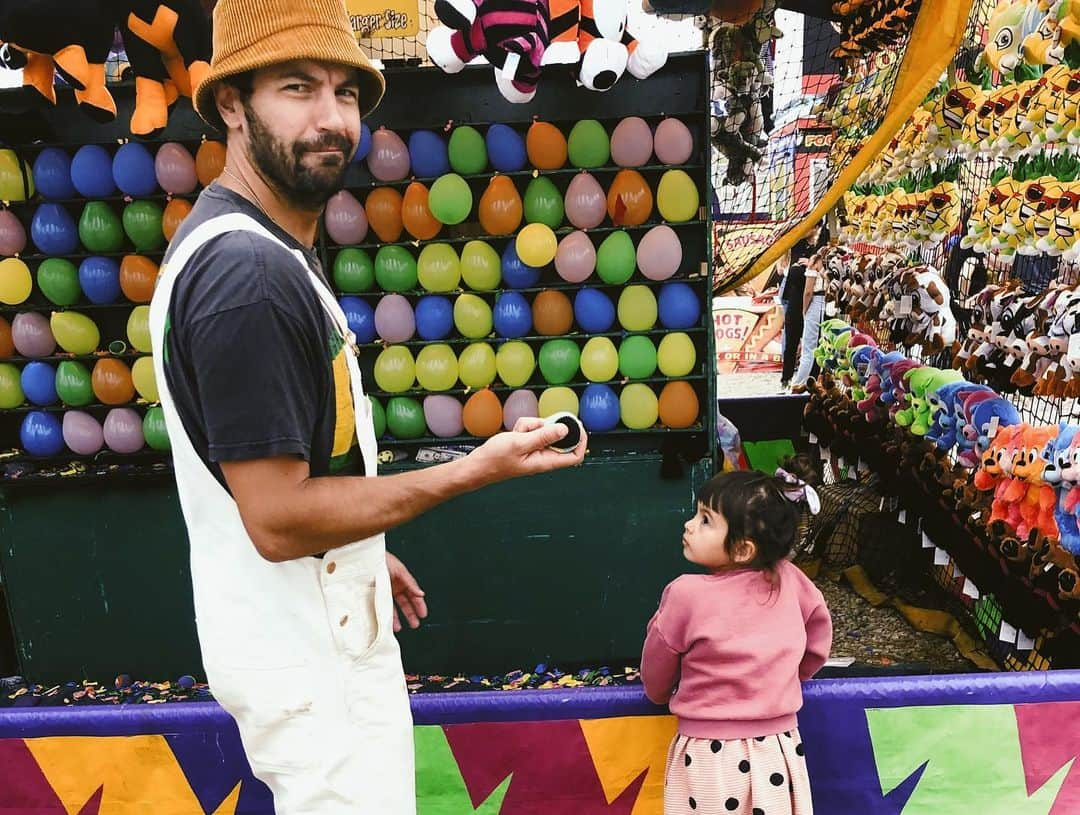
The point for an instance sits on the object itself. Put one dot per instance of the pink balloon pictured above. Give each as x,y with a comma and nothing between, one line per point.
519,404
631,142
659,254
443,415
123,431
346,221
394,318
673,142
12,234
575,258
175,169
389,157
585,202
31,334
82,433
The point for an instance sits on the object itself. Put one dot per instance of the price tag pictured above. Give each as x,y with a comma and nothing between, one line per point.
1008,633
825,453
971,590
957,574
863,466
993,429
881,506
813,439
904,309
840,462
1024,642
1074,347
902,517
941,557
510,66
926,542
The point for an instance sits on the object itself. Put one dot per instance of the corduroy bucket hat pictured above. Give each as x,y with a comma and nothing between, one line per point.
252,34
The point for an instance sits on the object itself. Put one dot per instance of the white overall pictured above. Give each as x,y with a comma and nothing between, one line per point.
302,654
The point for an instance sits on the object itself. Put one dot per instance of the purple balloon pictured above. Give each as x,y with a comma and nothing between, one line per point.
123,431
674,142
12,234
443,415
585,202
518,404
31,334
575,258
82,433
175,169
389,157
631,142
394,318
346,221
659,254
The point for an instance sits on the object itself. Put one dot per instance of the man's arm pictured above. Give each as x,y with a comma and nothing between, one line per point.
290,515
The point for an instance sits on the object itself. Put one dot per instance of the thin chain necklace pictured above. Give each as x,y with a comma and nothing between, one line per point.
254,195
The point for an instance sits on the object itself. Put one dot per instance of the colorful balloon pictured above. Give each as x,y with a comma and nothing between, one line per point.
439,268
427,154
15,281
546,146
133,170
512,315
394,320
434,317
480,266
363,147
395,369
38,380
559,361
72,383
637,308
515,273
16,178
142,223
556,400
383,209
416,214
677,197
468,155
123,431
536,245
443,415
353,271
99,279
91,172
501,208
154,430
678,306
659,254
378,417
360,317
345,219
99,228
58,280
138,276
588,145
12,234
515,363
552,313
543,204
82,433
631,142
674,142
40,434
482,415
599,360
678,407
53,230
175,213
7,344
11,393
615,259
638,406
637,357
476,365
395,269
676,355
175,169
505,148
142,376
138,329
629,200
586,204
450,199
575,258
52,174
31,335
436,368
389,157
75,333
209,161
520,404
593,310
599,408
472,316
111,381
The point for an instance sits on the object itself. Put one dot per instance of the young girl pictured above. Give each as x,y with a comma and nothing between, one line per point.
728,649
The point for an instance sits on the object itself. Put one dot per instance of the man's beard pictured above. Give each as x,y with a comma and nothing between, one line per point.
302,186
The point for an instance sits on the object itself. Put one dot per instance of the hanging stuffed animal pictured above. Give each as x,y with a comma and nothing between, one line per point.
1010,22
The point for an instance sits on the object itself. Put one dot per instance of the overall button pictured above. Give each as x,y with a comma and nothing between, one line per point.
344,620
330,567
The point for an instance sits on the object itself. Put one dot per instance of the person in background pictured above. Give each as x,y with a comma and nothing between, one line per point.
791,296
813,312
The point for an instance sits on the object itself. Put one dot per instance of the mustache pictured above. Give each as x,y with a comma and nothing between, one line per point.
331,141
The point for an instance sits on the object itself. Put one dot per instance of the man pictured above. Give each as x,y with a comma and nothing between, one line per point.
293,588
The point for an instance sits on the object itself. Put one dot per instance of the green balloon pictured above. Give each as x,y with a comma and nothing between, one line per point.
588,145
58,280
142,223
353,271
468,154
559,360
543,204
395,269
405,418
99,228
450,199
73,384
616,258
153,426
637,358
11,392
378,417
438,267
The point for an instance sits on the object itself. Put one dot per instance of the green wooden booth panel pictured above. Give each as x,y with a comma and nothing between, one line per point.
567,567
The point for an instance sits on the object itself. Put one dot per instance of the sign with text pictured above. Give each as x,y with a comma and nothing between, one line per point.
747,333
384,19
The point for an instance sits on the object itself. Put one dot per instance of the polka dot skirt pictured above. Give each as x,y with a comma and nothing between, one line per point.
762,776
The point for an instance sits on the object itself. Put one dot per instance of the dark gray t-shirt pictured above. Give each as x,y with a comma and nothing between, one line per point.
254,364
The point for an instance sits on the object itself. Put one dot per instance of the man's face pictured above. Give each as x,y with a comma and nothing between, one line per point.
302,128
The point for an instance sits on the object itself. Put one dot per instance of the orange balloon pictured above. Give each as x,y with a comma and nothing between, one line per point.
482,414
383,209
546,146
209,161
501,209
416,216
552,313
678,405
111,382
138,276
175,213
629,201
7,345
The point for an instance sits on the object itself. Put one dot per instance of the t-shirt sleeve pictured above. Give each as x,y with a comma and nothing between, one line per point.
819,632
661,656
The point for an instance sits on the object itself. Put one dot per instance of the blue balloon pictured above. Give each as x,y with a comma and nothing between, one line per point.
593,310
38,380
434,317
364,147
91,172
599,408
428,154
52,174
512,315
41,434
678,306
99,279
53,230
515,273
360,317
505,148
133,170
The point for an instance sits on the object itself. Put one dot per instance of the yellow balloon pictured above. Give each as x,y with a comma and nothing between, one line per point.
436,367
676,355
556,400
138,328
16,178
395,370
438,268
677,197
480,266
472,316
142,374
637,308
515,363
536,245
599,360
75,333
15,281
476,365
638,406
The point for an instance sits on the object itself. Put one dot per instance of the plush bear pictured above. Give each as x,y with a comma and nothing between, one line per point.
1034,495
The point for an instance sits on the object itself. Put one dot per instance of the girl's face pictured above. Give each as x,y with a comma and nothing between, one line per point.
703,541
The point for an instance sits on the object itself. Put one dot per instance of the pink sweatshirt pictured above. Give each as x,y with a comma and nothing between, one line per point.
729,656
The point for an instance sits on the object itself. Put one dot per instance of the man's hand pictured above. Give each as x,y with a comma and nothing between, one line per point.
407,594
524,451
